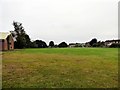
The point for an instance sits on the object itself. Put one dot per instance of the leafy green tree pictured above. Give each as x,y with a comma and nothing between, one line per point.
93,42
51,44
28,42
33,45
40,44
63,44
22,40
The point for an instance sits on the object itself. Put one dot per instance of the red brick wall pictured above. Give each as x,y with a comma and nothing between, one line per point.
11,46
0,44
5,45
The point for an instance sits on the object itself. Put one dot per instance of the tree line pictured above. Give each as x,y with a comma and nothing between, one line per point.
22,40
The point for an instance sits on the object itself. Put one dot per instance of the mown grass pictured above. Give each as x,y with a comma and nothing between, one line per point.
61,68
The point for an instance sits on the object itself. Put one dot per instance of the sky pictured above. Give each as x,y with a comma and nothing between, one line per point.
62,20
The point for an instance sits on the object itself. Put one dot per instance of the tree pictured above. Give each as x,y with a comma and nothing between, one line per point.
99,44
51,44
93,41
40,44
22,40
33,45
63,44
28,42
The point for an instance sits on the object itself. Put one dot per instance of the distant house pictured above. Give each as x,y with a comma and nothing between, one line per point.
76,45
72,45
6,41
110,42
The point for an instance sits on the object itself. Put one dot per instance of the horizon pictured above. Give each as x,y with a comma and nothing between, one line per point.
71,21
67,42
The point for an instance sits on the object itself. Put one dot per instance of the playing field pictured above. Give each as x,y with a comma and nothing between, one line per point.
61,68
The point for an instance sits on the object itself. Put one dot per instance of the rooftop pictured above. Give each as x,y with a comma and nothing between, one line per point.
3,35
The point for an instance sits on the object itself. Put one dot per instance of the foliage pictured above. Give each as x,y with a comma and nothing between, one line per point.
93,41
22,39
51,44
55,46
99,44
63,44
21,42
33,45
39,44
28,42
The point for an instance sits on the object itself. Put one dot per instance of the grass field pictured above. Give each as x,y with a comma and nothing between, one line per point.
61,68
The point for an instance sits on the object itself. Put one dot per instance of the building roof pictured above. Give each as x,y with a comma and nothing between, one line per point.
112,40
4,35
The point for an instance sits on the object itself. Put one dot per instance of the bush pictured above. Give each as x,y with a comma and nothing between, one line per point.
63,44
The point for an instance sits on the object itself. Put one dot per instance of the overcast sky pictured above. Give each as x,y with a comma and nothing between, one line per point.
62,20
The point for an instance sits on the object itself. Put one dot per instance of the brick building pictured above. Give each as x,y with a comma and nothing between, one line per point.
6,41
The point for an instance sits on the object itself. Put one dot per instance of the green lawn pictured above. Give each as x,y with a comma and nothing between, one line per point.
61,68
